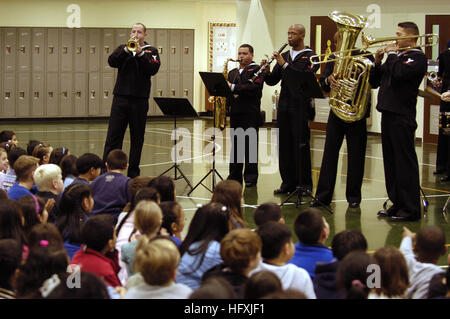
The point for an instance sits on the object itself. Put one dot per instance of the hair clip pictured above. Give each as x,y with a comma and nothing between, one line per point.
63,150
358,283
43,243
49,285
224,208
199,205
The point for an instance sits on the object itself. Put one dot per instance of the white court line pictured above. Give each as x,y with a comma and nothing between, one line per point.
158,130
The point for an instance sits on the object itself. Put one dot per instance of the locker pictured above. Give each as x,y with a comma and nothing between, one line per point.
94,47
121,36
108,82
93,94
151,37
161,88
10,43
66,50
108,48
52,52
23,49
162,43
174,50
174,84
187,51
80,50
2,53
9,95
37,94
188,86
79,94
65,94
37,49
52,94
23,94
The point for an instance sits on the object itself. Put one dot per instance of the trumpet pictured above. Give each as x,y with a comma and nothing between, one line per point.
431,39
132,44
261,70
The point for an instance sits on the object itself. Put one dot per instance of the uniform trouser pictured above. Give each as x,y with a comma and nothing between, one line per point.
127,111
401,168
294,148
244,148
356,136
442,147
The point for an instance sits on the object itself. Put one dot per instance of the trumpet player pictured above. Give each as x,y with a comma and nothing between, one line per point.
245,118
131,93
294,112
443,158
399,78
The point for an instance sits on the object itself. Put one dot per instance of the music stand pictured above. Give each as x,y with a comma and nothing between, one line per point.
310,88
217,86
174,107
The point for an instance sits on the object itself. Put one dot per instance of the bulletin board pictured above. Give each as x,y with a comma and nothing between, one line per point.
222,44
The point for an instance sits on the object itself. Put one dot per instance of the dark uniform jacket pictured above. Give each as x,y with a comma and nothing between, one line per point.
134,72
399,77
444,70
292,96
247,99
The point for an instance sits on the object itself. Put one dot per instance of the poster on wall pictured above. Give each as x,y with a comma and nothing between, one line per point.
222,45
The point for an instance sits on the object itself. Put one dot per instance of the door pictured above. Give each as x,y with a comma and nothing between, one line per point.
321,41
439,24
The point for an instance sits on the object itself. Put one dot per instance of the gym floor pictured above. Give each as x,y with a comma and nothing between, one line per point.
81,136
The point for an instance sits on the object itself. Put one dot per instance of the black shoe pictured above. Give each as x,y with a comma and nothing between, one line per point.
391,211
382,214
353,205
403,219
445,179
250,184
280,190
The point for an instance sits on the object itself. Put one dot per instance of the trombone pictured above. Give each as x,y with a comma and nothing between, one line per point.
431,39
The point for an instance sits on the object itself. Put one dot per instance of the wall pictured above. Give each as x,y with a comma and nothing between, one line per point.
114,13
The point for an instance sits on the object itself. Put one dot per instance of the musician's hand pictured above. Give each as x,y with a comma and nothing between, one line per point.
379,56
229,84
279,58
445,96
332,81
138,49
263,61
391,48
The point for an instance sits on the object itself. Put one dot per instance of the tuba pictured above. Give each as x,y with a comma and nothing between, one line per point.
350,98
220,105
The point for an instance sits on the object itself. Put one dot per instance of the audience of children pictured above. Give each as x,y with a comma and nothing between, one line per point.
312,231
219,258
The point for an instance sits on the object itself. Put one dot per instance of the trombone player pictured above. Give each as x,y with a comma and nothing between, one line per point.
136,63
399,78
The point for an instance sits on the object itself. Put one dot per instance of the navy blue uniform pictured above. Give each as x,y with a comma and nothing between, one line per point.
130,102
294,112
399,79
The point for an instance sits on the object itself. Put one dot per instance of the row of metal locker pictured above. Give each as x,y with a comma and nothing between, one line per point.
60,72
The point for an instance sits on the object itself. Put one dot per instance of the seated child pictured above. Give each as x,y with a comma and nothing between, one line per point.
10,258
24,168
111,190
89,166
48,179
277,250
312,231
98,254
267,212
173,220
43,151
157,261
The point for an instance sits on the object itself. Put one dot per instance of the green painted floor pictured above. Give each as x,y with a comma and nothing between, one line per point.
89,136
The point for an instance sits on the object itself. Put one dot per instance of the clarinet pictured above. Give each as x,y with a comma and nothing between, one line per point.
256,75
